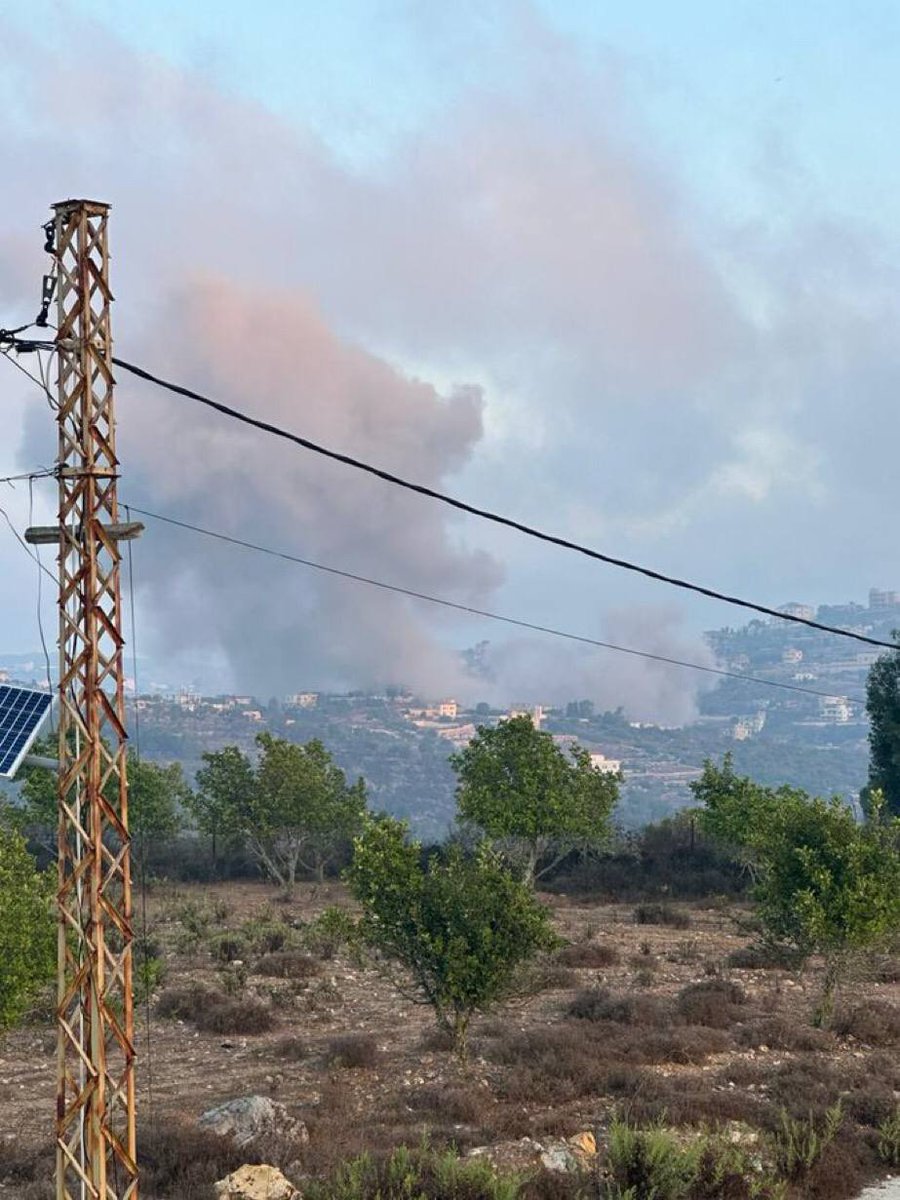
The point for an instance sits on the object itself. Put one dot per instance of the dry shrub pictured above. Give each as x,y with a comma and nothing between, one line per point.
845,1167
808,1084
214,1012
451,1102
588,954
437,1039
575,1058
28,1168
291,1048
655,913
689,1101
353,1050
886,970
337,1133
870,1103
762,956
875,1022
545,975
288,964
779,1033
599,1004
178,1161
553,1185
713,1002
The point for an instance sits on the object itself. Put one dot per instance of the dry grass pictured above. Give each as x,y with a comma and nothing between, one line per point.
288,964
213,1012
589,954
712,1002
353,1051
875,1022
657,913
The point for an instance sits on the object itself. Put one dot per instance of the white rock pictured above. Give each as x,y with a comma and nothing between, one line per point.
250,1118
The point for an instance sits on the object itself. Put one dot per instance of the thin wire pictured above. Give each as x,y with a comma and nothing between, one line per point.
24,544
492,616
43,473
34,379
142,857
487,514
40,615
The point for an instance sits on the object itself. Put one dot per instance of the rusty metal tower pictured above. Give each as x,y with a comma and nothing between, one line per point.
95,1115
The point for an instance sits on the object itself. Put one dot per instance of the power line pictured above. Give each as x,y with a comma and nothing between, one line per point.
43,473
479,612
487,514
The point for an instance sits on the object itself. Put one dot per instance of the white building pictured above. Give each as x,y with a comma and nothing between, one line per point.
835,708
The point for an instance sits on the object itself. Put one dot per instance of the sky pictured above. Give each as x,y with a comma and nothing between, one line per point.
624,271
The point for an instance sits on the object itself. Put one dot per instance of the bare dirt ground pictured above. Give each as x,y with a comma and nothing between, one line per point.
732,1055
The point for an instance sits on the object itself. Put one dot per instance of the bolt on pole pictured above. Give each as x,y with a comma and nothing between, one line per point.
95,1114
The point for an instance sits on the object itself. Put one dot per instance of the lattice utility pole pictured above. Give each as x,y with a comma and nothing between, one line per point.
95,1127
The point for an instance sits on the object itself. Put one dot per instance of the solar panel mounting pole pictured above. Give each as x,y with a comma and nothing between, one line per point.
95,1116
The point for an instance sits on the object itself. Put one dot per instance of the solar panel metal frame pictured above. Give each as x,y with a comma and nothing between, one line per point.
31,728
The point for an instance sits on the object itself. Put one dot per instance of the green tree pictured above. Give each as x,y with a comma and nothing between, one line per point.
27,928
532,799
883,707
825,883
223,795
156,796
293,808
460,925
738,812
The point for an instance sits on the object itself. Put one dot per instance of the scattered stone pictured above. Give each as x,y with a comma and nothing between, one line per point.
251,1118
256,1183
527,1155
558,1156
585,1142
511,1157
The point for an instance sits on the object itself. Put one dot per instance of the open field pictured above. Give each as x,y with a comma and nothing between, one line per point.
674,1021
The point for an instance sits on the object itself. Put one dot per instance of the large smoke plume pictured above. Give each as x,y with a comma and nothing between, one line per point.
522,241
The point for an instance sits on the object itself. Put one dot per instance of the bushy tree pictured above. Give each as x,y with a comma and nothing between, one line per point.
883,707
460,925
27,928
739,812
223,792
825,883
156,796
293,808
533,800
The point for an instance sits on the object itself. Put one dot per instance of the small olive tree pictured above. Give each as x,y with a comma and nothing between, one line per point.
459,925
528,796
27,928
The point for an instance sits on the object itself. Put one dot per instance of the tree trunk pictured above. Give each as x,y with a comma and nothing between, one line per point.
461,1036
825,1008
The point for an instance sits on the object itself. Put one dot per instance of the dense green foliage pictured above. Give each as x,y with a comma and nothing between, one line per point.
157,796
27,928
883,707
826,884
461,925
293,807
523,792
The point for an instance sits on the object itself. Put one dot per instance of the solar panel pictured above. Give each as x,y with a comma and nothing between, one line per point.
22,713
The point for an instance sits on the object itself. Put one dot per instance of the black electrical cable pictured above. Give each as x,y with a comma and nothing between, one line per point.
487,514
492,616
